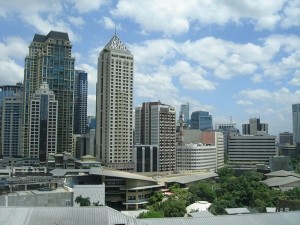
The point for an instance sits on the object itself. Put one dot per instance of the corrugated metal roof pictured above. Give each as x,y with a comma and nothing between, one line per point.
100,215
191,178
201,214
286,218
231,211
282,173
278,181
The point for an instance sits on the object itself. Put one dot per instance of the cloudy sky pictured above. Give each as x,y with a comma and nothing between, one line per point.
233,58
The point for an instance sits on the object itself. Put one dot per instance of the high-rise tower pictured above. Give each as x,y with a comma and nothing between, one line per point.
80,102
50,60
296,123
43,123
114,113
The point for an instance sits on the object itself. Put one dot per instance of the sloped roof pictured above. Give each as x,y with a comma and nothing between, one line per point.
190,178
231,211
116,44
52,34
201,214
282,173
64,216
279,181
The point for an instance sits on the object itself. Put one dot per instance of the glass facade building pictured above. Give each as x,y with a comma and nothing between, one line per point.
50,60
296,123
201,120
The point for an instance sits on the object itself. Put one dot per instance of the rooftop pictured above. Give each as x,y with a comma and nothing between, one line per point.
190,178
51,34
116,44
278,181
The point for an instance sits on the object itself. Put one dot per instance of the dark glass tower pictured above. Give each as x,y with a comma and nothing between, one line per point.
50,60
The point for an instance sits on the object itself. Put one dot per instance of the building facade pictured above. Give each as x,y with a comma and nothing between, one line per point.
156,125
114,106
216,139
196,157
286,138
227,129
12,107
296,123
201,120
254,127
247,151
80,102
43,123
146,158
185,111
7,91
50,60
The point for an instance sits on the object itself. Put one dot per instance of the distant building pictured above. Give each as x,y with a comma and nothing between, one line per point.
254,127
227,129
146,158
80,102
196,157
85,144
12,107
286,138
246,151
201,120
156,126
43,123
185,111
191,136
216,139
296,123
289,150
91,121
7,91
280,163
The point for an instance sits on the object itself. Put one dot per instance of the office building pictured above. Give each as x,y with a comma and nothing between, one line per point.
80,102
43,123
196,157
157,127
146,158
185,112
50,60
91,121
247,151
201,120
216,139
296,123
227,129
114,106
7,91
11,125
254,127
286,138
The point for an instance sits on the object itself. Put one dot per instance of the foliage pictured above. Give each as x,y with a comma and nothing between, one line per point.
157,197
151,214
204,191
293,193
173,207
83,201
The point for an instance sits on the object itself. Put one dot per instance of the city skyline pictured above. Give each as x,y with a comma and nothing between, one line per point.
234,59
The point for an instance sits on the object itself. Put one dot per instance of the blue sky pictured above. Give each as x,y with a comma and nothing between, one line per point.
233,58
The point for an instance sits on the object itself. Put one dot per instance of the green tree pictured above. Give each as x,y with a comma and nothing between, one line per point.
83,201
173,208
151,214
156,197
203,191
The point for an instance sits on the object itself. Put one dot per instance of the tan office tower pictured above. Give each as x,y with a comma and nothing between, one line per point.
50,60
114,113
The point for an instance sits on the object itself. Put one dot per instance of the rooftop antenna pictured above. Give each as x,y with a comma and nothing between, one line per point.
115,30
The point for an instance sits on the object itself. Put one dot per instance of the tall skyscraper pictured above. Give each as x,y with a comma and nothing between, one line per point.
285,138
7,91
114,112
296,123
50,60
185,111
43,123
254,127
80,102
157,126
201,120
11,125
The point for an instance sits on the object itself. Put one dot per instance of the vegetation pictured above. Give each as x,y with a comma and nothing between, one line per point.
83,201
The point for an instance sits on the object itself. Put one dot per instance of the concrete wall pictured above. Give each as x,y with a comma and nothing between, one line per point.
94,192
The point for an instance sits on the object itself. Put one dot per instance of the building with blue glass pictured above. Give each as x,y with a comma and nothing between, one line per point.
80,102
50,60
201,120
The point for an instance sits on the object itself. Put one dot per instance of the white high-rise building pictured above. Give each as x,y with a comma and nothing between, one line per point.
43,123
114,112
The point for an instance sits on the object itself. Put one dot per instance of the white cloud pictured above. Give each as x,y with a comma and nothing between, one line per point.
11,72
176,16
291,14
76,21
85,6
257,78
296,80
243,102
108,23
